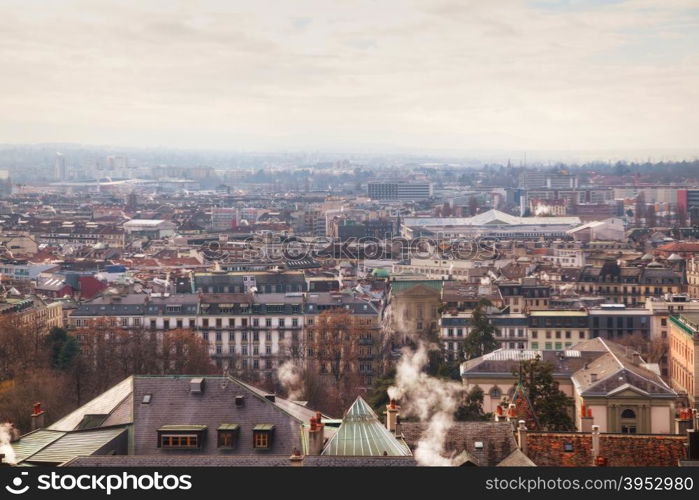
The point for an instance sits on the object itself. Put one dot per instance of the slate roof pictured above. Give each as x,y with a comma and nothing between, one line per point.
616,371
172,403
362,434
104,404
497,439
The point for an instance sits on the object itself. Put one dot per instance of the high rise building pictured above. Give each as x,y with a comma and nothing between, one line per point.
59,168
223,219
399,190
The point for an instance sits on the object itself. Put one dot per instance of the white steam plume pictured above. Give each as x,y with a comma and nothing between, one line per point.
291,379
430,400
5,446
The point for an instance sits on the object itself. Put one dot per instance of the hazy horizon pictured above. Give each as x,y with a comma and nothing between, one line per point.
596,79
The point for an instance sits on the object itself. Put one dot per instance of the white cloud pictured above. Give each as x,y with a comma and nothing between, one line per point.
451,74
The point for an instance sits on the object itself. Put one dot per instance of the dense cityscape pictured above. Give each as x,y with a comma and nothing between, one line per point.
484,314
455,240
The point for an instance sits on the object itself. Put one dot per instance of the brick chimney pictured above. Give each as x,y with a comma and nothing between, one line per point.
684,421
296,458
499,413
586,419
316,438
392,416
511,412
38,417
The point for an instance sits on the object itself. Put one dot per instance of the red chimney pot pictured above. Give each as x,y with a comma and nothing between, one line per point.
37,408
589,412
393,404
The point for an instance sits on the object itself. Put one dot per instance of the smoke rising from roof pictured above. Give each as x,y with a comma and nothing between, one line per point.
429,399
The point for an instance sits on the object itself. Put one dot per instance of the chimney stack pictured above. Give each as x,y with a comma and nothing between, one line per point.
316,438
596,445
636,358
522,436
38,417
586,419
511,412
296,458
499,413
684,421
392,416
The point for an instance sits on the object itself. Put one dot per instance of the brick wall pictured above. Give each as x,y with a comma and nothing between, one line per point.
548,449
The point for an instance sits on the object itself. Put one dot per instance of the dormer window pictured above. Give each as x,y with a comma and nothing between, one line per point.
228,436
262,436
181,437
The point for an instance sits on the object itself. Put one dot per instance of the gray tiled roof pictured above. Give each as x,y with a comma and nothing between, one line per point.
172,403
497,438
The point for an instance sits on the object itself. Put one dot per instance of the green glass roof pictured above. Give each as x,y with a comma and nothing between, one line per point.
363,434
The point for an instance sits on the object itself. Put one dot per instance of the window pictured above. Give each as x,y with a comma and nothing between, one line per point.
568,447
179,441
205,335
281,323
495,392
231,336
294,322
181,436
268,336
262,436
192,323
628,413
268,322
228,436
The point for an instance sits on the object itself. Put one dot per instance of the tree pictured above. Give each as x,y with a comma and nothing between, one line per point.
481,337
652,350
550,405
335,342
472,407
378,397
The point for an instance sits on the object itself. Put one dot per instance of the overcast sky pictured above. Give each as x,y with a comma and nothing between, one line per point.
433,74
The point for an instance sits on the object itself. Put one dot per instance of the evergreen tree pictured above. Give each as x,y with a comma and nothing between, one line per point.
481,338
472,407
378,397
551,405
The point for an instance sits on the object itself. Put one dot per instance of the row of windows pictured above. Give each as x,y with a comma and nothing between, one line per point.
226,439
